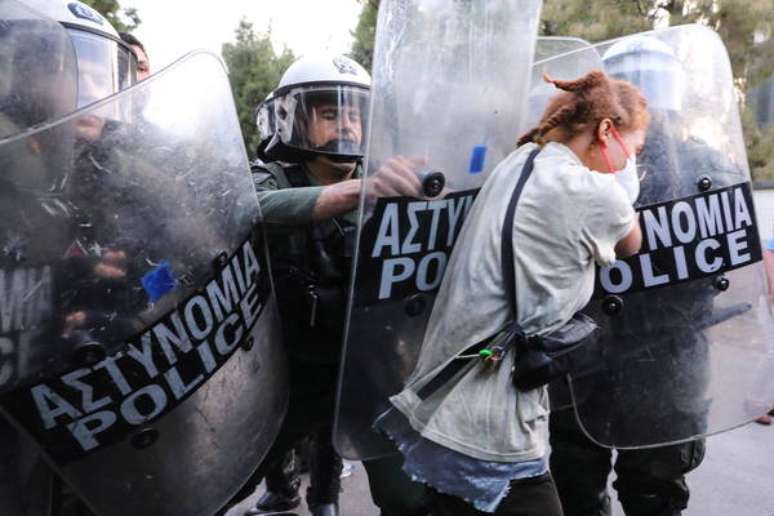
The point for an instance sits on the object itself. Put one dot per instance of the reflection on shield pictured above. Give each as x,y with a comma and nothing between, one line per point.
156,381
449,90
686,322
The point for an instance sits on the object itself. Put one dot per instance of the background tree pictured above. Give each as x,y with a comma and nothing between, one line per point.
254,70
124,20
745,26
364,34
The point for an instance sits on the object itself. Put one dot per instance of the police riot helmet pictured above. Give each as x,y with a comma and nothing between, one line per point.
105,63
651,65
319,109
55,57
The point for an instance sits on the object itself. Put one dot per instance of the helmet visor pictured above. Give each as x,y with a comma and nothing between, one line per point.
38,77
104,66
37,69
658,76
325,120
265,119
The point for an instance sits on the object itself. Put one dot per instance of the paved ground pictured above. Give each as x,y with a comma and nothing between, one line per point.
736,479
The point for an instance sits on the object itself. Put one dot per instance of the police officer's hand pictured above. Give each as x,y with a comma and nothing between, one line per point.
112,265
73,321
337,199
397,177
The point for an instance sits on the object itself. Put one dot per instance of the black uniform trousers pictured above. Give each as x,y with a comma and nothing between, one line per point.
650,482
310,412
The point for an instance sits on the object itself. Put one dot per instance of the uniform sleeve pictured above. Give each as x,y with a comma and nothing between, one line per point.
609,218
287,206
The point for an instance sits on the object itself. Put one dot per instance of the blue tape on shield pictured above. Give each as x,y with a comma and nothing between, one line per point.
477,159
158,281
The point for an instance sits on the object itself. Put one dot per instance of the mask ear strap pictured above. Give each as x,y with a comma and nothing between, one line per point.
621,141
606,156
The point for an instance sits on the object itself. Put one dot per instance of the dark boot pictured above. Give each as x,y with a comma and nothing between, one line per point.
275,503
282,484
325,509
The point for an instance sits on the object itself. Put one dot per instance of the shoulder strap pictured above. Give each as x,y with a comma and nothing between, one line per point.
506,256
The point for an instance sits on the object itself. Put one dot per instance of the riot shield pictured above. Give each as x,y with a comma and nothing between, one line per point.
578,58
685,322
565,59
449,95
551,46
157,380
33,47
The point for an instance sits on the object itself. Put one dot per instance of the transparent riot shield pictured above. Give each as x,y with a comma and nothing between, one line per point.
38,83
578,58
156,382
448,98
686,322
33,48
552,46
565,59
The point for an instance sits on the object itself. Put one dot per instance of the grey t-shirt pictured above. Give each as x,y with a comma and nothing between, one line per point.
568,219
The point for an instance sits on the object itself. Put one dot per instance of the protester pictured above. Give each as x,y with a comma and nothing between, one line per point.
480,443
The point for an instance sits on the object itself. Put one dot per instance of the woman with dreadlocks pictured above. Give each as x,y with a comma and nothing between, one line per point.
463,428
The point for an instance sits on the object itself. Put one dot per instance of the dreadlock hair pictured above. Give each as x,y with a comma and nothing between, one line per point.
585,102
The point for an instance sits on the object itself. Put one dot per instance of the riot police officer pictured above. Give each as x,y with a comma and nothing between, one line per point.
650,481
60,57
308,180
134,290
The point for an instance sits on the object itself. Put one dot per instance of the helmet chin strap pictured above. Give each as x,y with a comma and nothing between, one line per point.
332,149
343,159
327,171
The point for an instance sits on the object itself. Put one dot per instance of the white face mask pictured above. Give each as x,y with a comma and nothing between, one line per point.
629,179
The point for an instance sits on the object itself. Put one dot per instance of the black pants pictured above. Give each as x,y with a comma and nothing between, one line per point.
310,413
28,486
324,470
650,482
11,494
393,491
284,477
527,497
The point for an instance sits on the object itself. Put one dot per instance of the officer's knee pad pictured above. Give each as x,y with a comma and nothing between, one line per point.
652,497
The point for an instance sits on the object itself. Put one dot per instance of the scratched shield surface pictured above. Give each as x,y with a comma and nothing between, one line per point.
146,361
449,95
685,347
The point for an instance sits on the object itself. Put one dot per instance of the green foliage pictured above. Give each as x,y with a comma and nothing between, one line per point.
365,33
594,21
759,139
124,20
254,70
